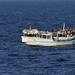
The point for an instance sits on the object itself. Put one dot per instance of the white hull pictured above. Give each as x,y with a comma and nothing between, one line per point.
44,42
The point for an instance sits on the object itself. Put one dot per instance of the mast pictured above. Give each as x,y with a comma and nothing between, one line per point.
63,26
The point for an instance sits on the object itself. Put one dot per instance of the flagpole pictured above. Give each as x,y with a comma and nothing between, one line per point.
29,25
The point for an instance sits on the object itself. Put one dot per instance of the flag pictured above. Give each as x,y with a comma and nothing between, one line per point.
29,23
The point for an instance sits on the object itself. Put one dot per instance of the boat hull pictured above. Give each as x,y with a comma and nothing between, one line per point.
44,42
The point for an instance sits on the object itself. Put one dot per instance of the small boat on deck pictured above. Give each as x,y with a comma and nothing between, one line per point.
35,37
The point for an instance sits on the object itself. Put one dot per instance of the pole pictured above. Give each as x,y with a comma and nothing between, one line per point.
29,25
63,26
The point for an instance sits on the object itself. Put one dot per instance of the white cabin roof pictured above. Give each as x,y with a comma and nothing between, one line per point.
35,31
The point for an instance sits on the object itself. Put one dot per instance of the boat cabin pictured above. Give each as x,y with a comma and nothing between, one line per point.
45,36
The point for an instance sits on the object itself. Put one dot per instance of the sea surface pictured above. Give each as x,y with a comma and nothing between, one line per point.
16,58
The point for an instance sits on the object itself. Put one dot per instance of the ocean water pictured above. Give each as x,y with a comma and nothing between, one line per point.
16,58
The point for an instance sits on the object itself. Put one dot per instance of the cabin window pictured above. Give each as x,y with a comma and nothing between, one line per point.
48,36
59,35
34,35
44,36
30,35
